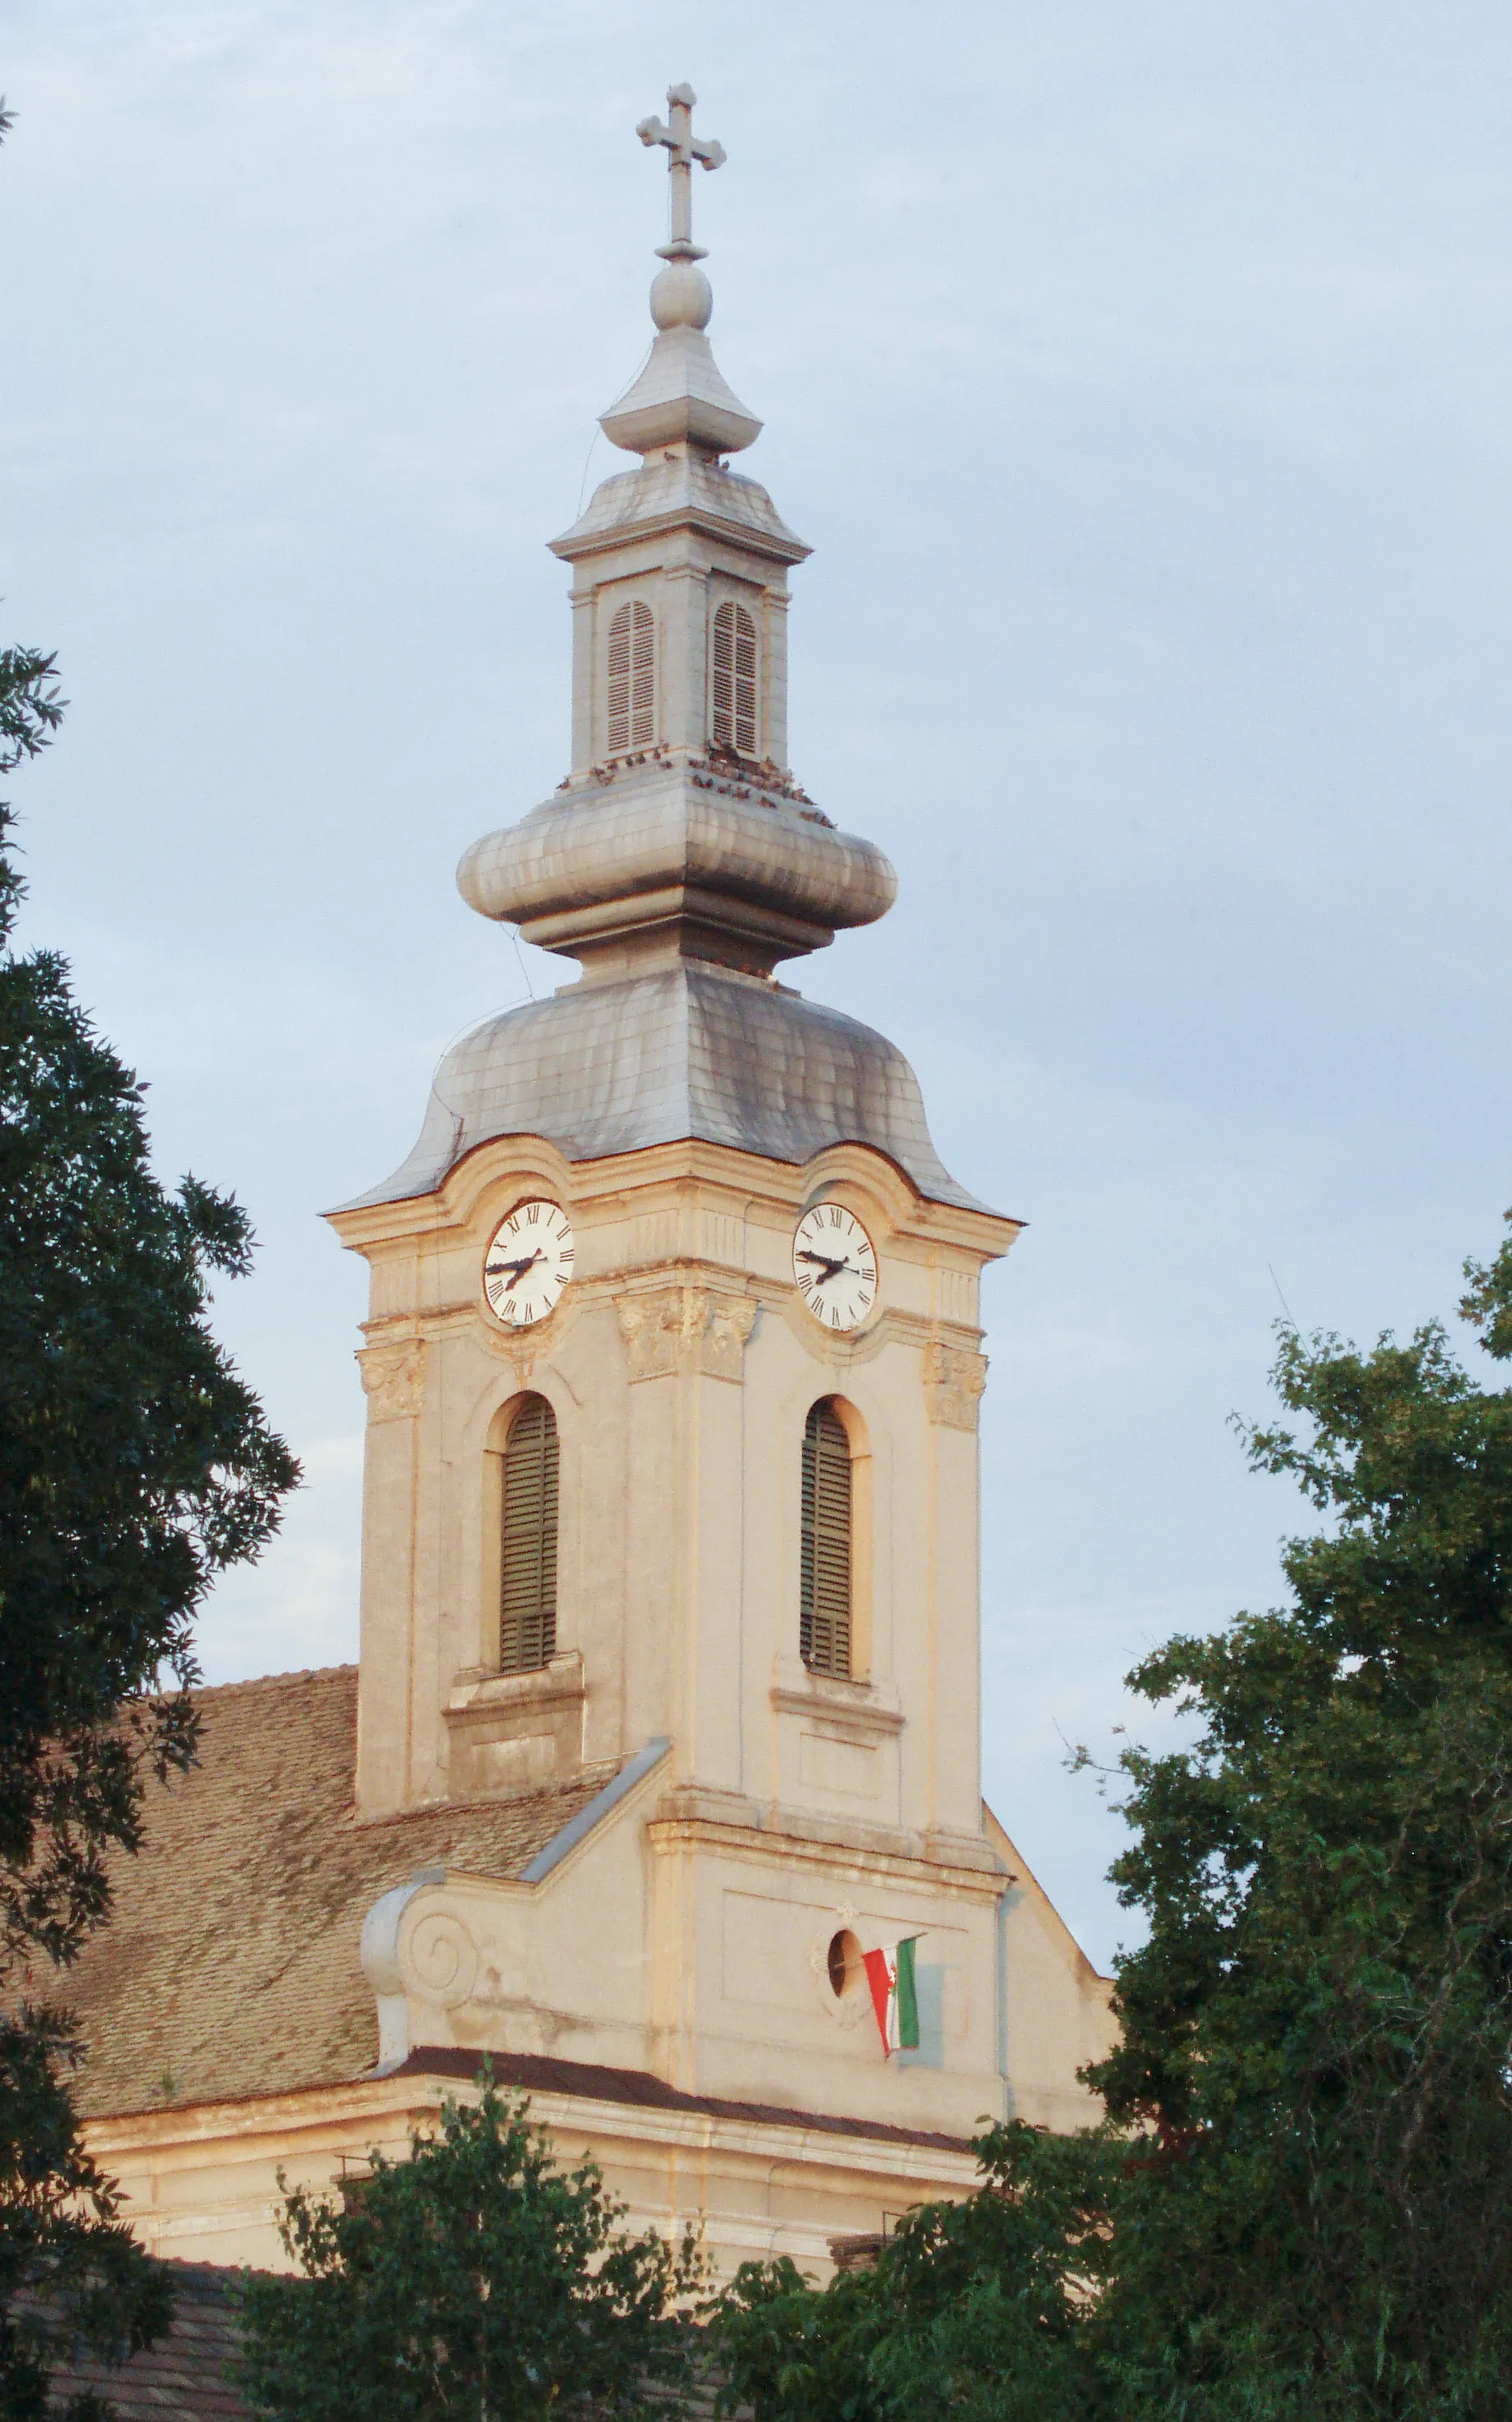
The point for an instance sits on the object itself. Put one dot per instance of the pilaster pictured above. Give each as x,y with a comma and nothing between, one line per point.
585,624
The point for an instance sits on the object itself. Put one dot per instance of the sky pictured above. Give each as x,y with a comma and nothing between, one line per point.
1140,375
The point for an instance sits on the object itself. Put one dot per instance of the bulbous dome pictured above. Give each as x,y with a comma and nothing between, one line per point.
680,859
611,1068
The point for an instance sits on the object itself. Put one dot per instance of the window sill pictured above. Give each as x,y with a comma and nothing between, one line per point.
864,1707
477,1692
509,1732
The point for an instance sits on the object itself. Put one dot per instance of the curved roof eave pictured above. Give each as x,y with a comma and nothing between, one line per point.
688,1051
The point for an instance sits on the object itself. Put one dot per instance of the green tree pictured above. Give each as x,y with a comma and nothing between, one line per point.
1301,2208
1317,2050
134,1466
473,2278
71,2273
977,2309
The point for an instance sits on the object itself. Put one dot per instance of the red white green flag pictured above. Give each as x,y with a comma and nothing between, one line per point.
895,1995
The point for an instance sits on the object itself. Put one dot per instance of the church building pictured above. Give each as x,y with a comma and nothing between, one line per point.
657,1783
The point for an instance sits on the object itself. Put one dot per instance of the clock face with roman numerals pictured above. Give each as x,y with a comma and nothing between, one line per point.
529,1263
834,1261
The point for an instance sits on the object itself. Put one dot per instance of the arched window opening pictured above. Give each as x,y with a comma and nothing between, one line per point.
824,1588
734,681
528,1584
631,680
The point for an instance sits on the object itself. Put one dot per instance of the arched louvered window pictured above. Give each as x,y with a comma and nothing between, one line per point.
824,1584
733,686
631,680
528,1579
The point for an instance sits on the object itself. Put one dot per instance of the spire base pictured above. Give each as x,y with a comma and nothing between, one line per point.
680,395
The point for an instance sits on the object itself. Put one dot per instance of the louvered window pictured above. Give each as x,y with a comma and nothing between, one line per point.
631,680
527,1592
735,679
824,1588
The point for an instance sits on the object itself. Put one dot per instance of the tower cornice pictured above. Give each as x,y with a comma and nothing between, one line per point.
660,509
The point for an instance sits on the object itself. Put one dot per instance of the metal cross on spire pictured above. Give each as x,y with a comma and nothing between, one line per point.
683,147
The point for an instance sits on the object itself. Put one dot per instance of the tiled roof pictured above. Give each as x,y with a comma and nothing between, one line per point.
181,2378
231,1966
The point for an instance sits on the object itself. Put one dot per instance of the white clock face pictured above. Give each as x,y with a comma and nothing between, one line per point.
529,1263
834,1261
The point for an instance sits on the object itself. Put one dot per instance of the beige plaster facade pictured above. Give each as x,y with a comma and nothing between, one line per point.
204,2185
681,1365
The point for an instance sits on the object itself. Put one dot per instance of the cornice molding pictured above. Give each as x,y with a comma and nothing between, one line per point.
500,1161
771,1846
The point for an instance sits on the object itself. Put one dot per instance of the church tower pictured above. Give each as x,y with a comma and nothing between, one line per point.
664,1740
674,1365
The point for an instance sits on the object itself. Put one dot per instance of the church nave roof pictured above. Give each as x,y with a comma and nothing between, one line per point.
231,1966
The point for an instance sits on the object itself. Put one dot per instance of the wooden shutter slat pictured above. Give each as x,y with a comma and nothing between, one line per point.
632,687
644,680
824,1572
528,1584
745,684
733,683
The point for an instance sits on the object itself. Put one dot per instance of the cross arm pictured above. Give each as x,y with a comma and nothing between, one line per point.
708,155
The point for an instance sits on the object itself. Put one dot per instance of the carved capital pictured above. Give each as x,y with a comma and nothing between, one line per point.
652,1327
394,1377
731,1318
954,1380
684,1328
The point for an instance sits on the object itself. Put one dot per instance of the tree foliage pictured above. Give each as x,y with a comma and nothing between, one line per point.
474,2277
1318,2034
71,2273
973,2309
1300,2207
134,1465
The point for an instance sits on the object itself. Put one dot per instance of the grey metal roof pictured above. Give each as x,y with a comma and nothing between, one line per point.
682,489
604,1068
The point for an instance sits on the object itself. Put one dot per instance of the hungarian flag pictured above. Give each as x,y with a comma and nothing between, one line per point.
894,1997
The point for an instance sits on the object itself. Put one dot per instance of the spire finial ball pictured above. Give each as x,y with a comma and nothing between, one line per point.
681,296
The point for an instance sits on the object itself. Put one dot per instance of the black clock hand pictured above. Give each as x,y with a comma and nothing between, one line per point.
829,1267
516,1270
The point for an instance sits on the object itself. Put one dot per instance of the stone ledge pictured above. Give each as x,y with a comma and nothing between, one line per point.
783,1838
515,1732
860,1707
479,1691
